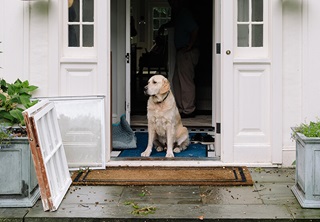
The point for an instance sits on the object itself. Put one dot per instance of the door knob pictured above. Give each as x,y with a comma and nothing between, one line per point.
228,52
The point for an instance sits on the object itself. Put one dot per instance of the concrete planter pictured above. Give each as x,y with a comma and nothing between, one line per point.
307,181
18,181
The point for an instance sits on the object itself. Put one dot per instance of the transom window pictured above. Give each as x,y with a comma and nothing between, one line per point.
81,23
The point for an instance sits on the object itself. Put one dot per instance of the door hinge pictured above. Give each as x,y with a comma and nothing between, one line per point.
127,106
218,48
218,128
128,57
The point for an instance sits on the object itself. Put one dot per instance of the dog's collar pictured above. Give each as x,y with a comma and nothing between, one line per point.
165,97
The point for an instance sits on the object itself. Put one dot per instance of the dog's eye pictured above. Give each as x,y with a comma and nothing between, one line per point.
154,82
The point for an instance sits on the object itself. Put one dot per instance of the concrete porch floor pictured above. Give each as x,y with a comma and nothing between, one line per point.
269,199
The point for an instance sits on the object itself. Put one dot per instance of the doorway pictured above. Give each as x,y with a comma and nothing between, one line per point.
146,23
246,80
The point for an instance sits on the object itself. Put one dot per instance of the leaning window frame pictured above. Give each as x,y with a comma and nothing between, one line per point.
87,52
253,52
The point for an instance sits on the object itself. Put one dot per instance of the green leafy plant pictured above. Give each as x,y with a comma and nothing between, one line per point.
5,137
311,129
14,99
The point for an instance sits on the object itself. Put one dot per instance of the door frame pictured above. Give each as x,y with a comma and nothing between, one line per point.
128,107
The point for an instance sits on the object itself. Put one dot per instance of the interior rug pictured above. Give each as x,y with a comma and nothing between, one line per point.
193,150
197,176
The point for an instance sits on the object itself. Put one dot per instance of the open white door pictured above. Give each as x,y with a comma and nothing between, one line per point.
128,62
226,72
216,89
250,83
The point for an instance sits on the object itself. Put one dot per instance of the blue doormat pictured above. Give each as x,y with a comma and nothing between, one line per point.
193,150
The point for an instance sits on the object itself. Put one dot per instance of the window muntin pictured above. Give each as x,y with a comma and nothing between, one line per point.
251,28
250,23
81,23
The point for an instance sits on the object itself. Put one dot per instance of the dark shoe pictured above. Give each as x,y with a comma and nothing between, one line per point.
197,138
207,140
190,115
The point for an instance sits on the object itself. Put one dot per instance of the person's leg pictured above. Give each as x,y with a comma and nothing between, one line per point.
185,75
176,82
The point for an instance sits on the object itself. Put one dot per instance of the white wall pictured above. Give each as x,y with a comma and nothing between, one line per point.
39,47
19,59
12,33
292,71
301,74
310,60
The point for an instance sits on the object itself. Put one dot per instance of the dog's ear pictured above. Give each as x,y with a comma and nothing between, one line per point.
165,86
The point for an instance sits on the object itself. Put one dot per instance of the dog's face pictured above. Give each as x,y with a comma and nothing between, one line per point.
157,85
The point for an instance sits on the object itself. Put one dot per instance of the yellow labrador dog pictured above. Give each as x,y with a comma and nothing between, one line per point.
165,129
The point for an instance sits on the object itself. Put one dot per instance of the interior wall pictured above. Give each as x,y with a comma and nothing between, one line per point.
203,78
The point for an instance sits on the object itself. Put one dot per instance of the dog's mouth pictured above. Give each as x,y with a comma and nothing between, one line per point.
146,93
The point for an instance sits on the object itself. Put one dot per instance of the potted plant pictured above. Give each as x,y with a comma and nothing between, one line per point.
307,178
18,184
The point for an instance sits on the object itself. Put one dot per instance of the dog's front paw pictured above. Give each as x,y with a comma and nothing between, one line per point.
177,150
146,153
159,149
169,154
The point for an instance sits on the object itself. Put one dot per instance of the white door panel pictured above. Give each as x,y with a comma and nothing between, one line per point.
251,104
248,104
79,79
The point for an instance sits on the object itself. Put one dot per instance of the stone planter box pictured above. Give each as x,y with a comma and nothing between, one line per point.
307,181
18,181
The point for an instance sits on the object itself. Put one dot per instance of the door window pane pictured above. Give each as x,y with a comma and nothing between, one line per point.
88,35
243,10
257,35
243,35
88,12
74,31
257,10
74,11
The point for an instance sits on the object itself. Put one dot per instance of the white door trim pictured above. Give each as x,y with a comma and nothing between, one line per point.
277,119
128,63
227,143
